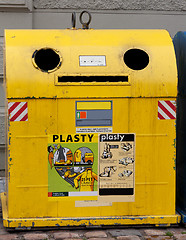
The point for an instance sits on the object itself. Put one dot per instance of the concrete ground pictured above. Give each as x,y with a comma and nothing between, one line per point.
125,233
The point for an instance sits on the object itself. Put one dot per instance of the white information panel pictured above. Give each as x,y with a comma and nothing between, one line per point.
92,61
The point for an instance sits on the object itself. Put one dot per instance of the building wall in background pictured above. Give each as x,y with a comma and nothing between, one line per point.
166,5
56,14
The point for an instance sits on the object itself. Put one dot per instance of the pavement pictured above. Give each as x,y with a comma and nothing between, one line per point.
176,233
114,233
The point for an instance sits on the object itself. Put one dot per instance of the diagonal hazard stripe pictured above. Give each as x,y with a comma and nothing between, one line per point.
16,115
18,111
170,116
18,107
169,109
160,116
172,105
163,114
22,115
166,110
25,118
12,106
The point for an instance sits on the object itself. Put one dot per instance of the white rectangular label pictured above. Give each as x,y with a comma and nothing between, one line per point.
92,204
92,61
87,193
94,130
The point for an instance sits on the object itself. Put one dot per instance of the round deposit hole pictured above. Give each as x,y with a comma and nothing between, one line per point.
136,59
46,59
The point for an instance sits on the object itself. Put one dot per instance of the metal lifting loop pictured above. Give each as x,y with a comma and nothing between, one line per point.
73,20
85,25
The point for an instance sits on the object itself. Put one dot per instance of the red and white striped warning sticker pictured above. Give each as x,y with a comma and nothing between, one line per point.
18,111
166,110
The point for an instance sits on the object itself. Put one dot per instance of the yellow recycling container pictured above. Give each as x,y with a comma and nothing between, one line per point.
90,129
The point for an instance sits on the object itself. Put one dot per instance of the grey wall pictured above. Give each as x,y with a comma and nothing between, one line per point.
117,14
114,14
156,5
136,14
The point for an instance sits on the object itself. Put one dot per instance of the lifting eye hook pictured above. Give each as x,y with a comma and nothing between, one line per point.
85,25
73,20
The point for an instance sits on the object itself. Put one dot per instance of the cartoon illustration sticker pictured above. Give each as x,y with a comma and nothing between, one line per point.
72,165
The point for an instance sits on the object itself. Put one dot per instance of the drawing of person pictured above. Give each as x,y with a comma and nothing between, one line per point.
62,155
86,179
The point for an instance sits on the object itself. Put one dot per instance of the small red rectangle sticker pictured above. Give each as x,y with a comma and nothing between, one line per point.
49,194
83,115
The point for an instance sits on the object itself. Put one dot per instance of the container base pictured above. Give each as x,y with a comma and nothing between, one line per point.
29,223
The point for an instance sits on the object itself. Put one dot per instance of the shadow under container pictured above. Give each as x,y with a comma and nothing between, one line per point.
90,129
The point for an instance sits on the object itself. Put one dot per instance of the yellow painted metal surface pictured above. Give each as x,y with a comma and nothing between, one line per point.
52,109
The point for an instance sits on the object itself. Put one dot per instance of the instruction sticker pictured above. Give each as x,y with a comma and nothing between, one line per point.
73,165
117,165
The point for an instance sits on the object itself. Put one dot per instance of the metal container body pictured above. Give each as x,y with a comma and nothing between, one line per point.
130,181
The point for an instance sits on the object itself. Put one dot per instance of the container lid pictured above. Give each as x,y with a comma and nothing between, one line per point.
89,64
